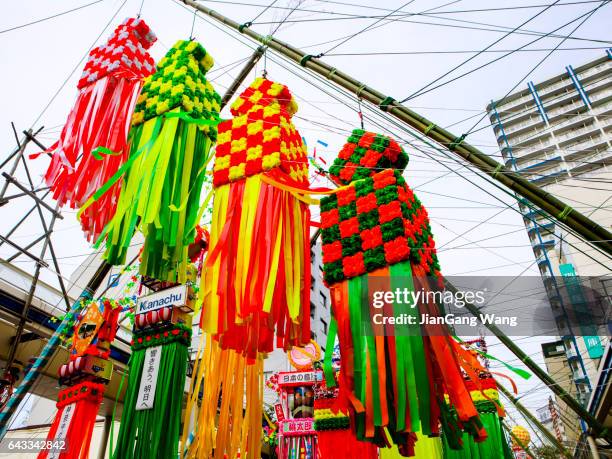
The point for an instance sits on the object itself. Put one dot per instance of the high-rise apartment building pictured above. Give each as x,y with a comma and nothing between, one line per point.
558,134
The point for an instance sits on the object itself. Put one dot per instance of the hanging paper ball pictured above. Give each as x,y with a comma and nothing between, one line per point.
522,434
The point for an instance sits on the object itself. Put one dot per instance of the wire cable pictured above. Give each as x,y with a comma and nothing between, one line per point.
38,21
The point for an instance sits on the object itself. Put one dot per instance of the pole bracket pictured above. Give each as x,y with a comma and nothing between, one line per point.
497,170
307,57
429,128
455,143
241,27
385,103
564,213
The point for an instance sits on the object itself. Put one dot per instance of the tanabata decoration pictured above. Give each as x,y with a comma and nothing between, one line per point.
150,423
333,426
520,440
173,129
93,142
257,279
86,374
461,445
376,237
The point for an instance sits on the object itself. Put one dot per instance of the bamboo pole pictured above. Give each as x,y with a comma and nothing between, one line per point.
242,75
558,209
525,412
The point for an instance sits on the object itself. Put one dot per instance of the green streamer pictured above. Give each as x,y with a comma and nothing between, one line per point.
99,151
152,433
328,370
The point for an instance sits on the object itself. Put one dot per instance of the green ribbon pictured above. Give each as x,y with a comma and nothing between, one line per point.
199,121
99,151
328,370
519,371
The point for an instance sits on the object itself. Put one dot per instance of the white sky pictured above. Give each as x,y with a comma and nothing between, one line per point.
38,59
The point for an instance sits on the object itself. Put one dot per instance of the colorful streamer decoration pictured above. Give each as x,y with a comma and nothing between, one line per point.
174,126
93,142
151,419
376,237
86,375
461,445
257,281
333,426
228,420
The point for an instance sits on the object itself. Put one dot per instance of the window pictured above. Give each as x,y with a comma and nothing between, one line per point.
323,300
324,326
313,336
312,282
312,310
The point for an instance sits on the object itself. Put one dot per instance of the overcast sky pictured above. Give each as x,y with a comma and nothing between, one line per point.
43,59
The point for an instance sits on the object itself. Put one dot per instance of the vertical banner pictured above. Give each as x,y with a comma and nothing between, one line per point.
148,382
62,430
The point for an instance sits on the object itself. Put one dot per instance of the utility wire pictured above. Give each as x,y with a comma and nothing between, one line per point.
585,17
78,63
38,21
482,51
488,47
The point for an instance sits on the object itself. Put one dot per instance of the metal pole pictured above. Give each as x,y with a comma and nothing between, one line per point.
525,412
104,441
28,303
582,225
48,232
593,447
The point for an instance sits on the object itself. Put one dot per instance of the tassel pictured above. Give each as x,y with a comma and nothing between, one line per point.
86,374
376,237
73,424
332,423
93,142
257,279
173,130
228,420
151,428
462,445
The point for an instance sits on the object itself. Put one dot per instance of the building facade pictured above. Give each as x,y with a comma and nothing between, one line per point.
558,135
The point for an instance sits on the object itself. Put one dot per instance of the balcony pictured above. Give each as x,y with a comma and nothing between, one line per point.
511,128
554,89
589,73
506,109
550,176
539,164
565,109
568,137
587,150
549,227
591,163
